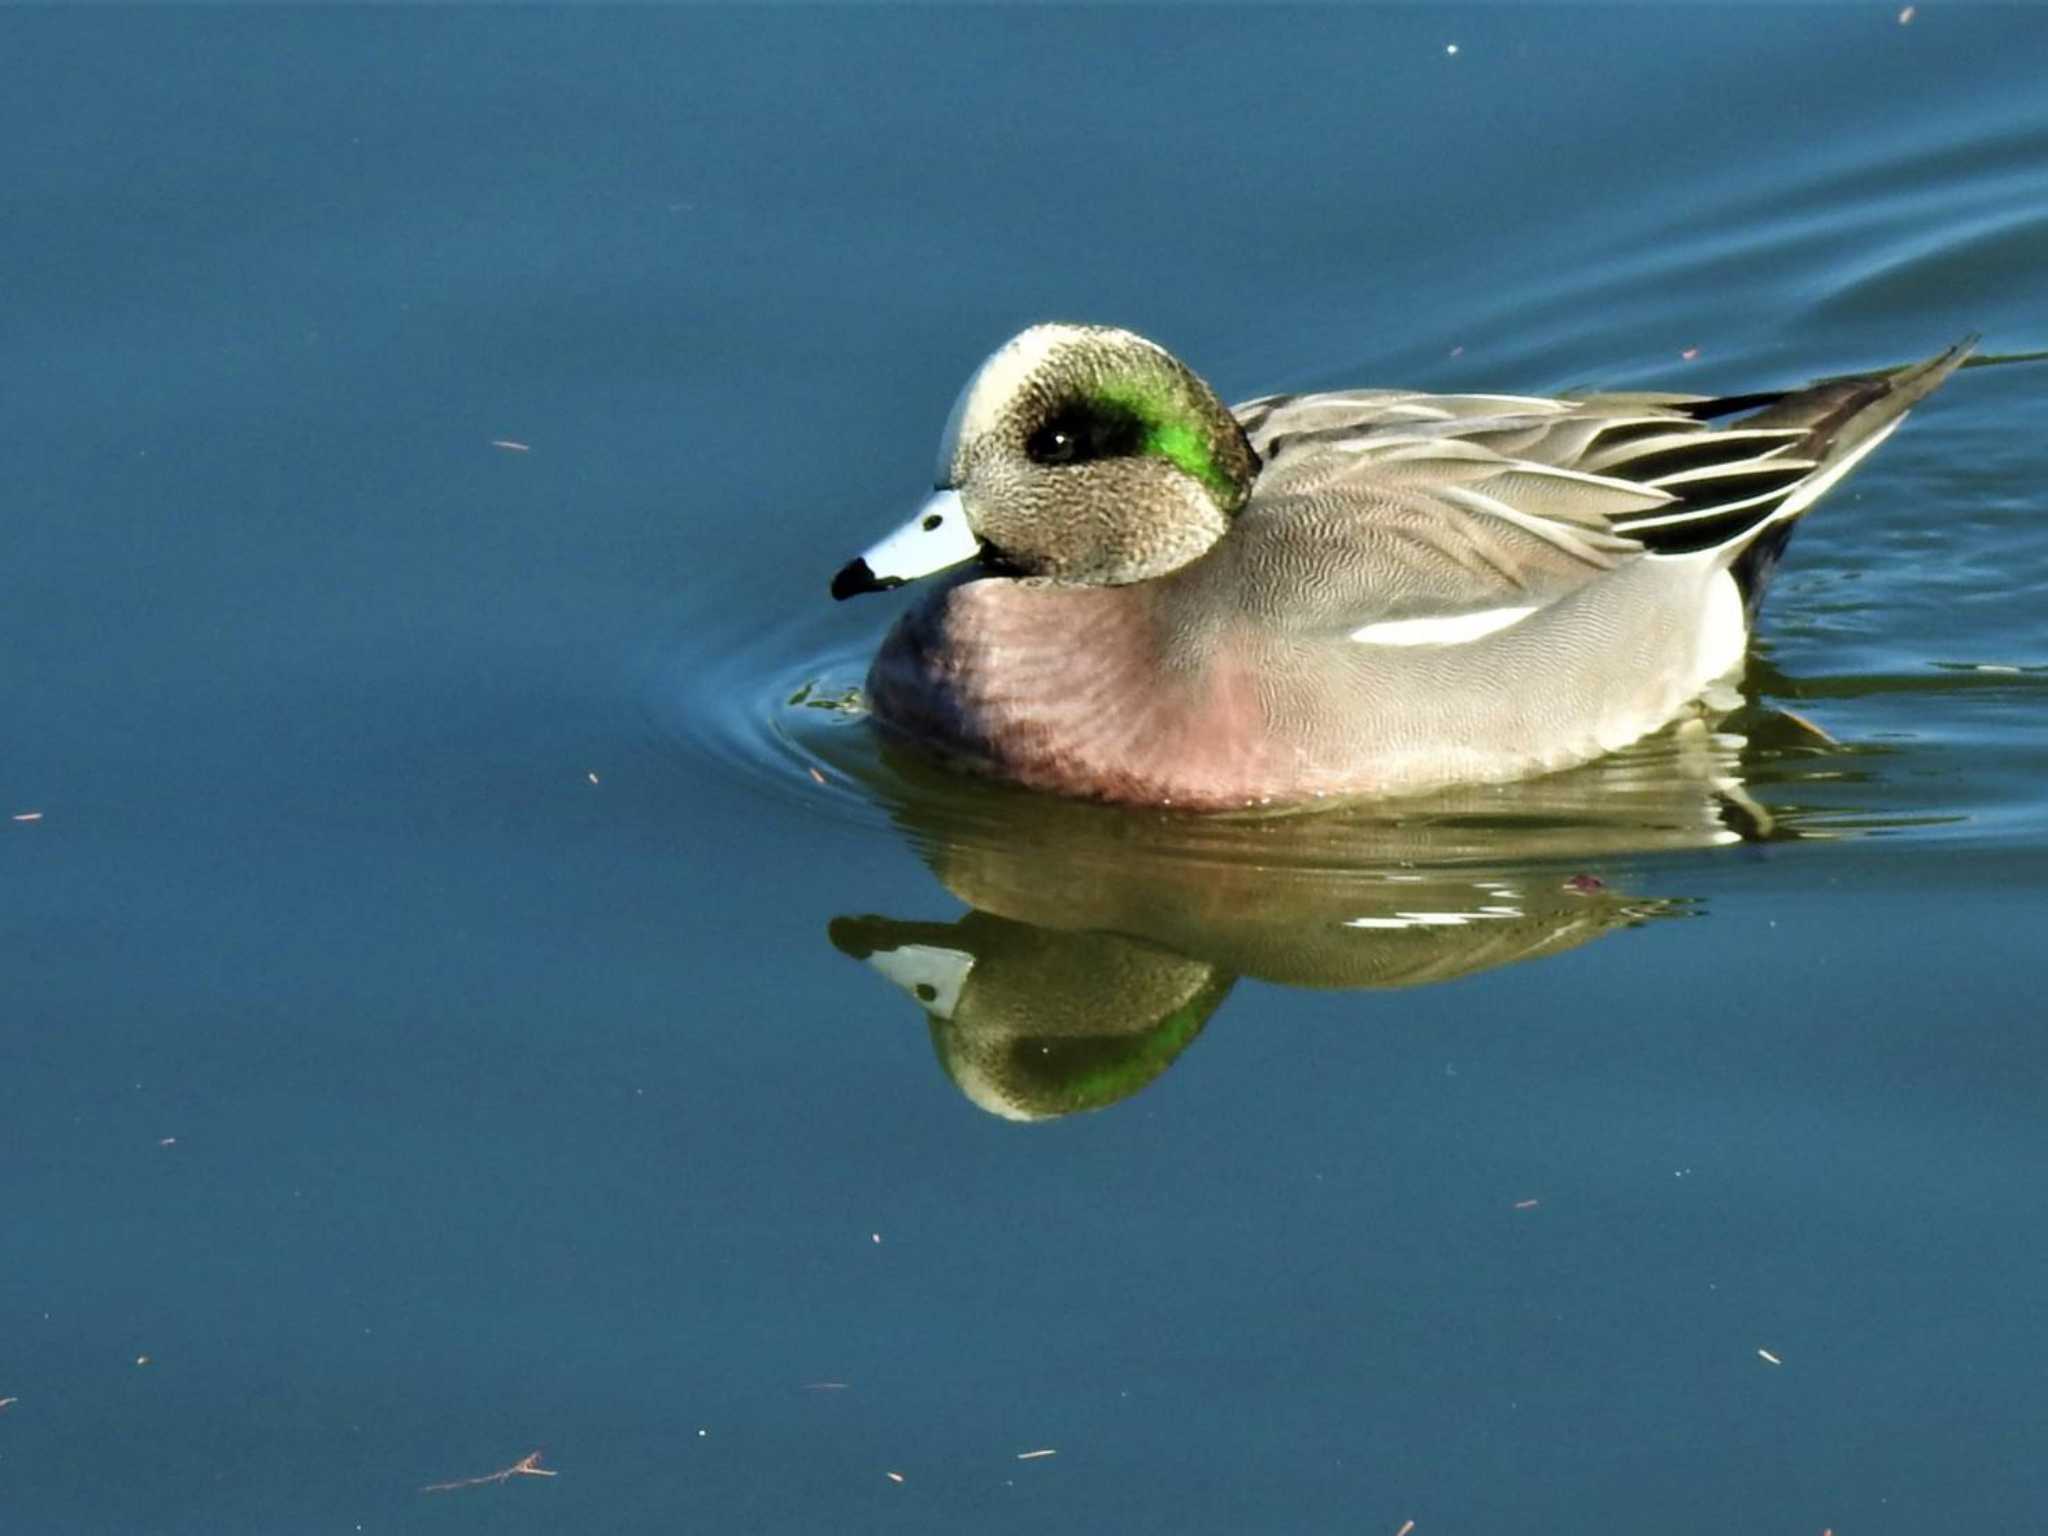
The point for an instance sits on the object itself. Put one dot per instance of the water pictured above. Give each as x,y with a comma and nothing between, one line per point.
437,1022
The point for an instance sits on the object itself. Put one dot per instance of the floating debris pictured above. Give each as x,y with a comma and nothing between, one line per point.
817,776
1527,1205
509,446
28,816
826,1386
894,1477
1768,1358
591,776
1405,1529
838,701
1034,1455
526,1466
1905,20
1690,353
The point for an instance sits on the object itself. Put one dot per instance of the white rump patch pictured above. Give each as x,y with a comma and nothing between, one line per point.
1450,629
1724,629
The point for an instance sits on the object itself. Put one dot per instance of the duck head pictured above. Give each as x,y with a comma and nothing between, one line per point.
1078,453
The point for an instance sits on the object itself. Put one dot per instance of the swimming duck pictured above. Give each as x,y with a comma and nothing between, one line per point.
1163,601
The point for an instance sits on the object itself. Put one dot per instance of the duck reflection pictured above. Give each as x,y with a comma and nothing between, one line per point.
1034,1022
1102,941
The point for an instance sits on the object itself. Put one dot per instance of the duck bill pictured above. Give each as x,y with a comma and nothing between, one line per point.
937,539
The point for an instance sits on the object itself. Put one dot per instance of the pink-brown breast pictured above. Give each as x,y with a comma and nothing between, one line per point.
1084,691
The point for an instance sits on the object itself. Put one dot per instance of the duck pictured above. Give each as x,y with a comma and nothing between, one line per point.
1150,598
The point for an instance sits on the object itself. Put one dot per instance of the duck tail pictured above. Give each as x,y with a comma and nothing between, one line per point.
1842,421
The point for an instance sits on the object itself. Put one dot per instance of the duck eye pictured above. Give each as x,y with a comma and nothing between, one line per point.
1083,432
1055,444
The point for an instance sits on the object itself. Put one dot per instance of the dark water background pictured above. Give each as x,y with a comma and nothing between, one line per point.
409,1100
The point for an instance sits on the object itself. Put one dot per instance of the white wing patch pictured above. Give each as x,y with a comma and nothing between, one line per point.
1434,919
1446,629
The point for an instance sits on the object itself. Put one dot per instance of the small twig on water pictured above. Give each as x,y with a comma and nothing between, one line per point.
526,1466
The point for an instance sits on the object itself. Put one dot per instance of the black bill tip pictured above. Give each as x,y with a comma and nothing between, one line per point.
856,578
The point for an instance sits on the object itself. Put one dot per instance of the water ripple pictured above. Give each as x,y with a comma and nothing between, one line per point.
781,714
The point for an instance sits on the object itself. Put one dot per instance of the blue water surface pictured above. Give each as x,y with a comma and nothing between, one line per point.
443,841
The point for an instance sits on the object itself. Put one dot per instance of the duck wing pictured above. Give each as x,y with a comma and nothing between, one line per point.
1443,512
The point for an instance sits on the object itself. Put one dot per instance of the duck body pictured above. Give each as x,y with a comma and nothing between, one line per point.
1333,596
1158,695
